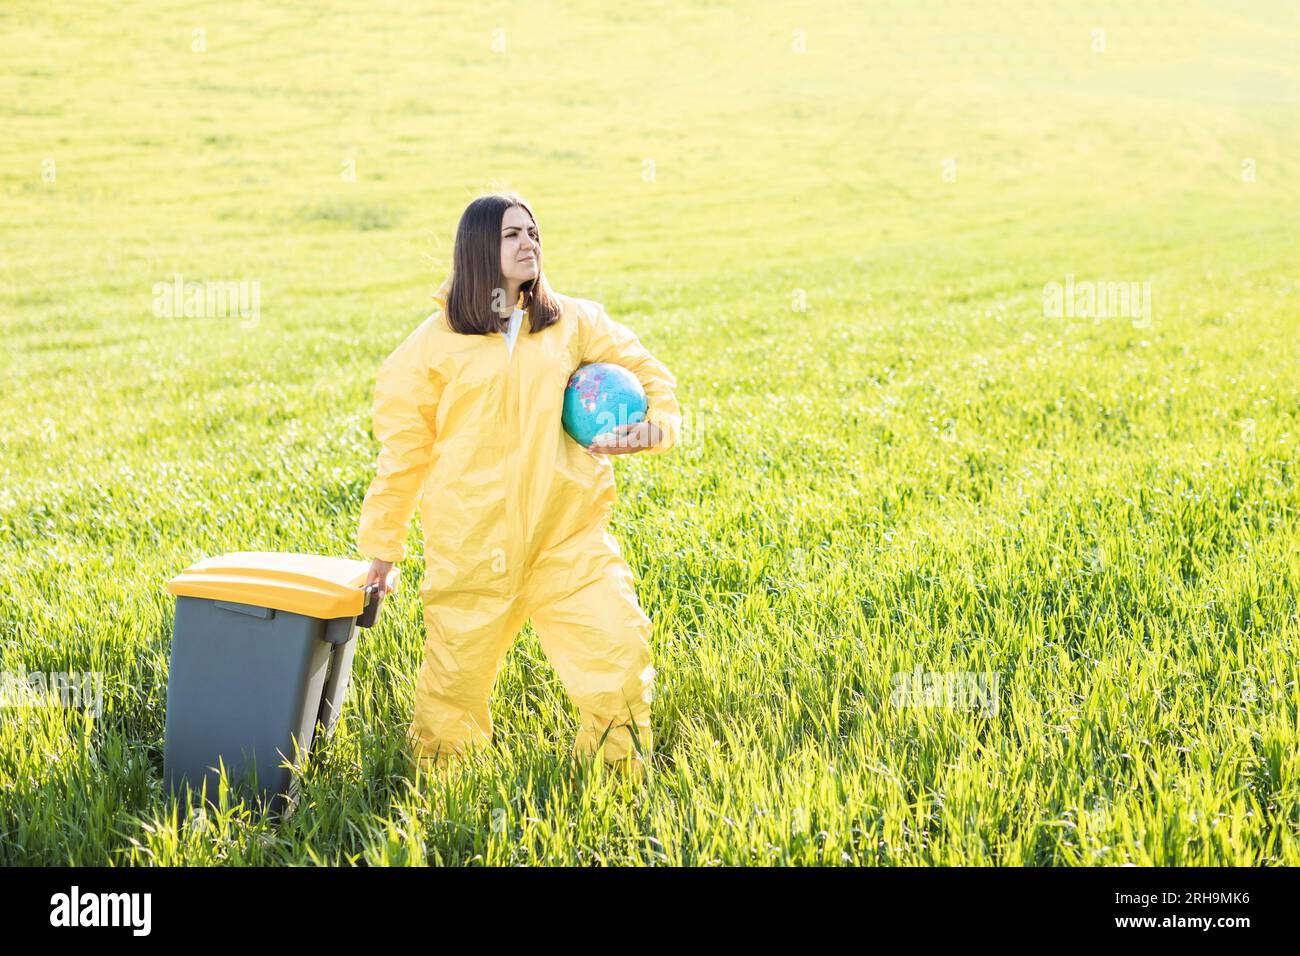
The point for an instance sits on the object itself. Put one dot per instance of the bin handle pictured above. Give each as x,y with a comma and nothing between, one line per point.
370,610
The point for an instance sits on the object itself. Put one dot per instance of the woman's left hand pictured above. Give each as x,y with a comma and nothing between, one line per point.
626,439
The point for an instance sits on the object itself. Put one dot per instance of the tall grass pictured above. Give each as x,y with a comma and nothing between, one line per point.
895,462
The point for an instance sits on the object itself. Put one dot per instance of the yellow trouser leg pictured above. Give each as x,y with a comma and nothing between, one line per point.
465,644
597,638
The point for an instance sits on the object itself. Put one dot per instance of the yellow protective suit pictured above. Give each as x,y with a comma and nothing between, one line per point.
514,514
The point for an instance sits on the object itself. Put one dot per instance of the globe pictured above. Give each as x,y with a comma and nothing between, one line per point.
599,398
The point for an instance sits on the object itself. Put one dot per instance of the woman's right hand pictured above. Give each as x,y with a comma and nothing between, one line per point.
379,574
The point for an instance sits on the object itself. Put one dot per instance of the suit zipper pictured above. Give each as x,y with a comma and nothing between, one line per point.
515,544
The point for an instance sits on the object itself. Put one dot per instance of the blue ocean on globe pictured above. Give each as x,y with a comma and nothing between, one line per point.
599,398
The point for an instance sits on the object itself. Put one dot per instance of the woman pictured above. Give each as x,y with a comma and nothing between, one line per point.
514,511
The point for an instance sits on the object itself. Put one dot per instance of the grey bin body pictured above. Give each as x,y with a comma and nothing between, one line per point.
246,684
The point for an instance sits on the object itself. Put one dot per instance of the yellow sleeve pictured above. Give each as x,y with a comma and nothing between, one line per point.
405,398
604,340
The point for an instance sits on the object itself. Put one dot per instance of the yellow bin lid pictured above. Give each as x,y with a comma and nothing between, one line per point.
307,584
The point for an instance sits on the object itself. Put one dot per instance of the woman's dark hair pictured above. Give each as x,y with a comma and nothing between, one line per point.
476,271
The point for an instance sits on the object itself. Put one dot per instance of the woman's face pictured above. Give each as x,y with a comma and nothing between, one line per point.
520,246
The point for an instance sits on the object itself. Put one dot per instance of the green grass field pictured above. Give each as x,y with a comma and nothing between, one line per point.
896,459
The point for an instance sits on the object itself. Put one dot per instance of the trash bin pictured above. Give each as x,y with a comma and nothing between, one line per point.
261,652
